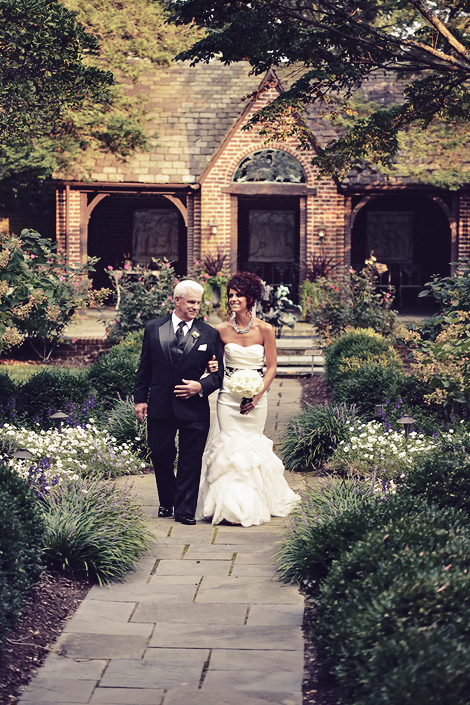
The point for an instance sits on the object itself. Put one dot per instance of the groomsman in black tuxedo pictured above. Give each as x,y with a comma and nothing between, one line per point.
171,391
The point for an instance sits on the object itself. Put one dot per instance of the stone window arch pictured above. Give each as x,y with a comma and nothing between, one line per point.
270,165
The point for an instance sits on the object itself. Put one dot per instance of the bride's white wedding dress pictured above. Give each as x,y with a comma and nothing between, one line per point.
242,479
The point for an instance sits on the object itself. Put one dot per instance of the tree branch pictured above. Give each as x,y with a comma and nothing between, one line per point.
441,28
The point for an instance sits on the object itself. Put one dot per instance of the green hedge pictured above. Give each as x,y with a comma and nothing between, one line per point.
392,620
114,374
368,386
443,476
21,541
355,348
49,390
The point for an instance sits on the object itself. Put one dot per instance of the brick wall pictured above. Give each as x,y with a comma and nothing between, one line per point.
326,208
68,238
463,232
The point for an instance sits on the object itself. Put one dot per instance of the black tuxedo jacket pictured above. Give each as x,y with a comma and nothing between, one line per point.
157,375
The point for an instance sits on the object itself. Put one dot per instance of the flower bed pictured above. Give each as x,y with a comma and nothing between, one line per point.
74,452
372,448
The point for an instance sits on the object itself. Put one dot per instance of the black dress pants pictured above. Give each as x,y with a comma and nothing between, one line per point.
178,492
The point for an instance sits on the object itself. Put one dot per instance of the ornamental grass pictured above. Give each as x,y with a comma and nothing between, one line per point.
94,527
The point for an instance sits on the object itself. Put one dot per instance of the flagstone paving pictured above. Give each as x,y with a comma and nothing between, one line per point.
204,619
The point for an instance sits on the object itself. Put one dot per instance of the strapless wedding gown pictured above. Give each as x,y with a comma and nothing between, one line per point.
242,480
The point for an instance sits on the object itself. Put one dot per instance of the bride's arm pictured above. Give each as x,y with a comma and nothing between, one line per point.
270,355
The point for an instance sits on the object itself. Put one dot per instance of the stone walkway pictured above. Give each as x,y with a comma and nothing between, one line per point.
204,619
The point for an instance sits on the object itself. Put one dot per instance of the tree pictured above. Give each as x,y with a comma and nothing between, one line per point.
42,68
40,292
110,39
331,48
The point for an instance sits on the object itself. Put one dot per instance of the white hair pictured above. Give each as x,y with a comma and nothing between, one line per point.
187,286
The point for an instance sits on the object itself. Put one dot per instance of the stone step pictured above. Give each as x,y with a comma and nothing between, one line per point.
297,371
300,360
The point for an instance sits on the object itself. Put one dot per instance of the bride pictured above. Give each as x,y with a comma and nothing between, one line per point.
243,480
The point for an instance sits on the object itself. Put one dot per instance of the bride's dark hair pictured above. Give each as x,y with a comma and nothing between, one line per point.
246,284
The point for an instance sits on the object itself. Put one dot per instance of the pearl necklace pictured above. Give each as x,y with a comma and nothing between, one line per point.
245,330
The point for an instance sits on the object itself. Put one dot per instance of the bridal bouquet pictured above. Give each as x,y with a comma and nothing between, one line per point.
245,384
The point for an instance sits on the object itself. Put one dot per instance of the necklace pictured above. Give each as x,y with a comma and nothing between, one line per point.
245,330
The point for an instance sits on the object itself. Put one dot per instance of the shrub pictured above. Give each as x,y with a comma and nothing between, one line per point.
351,300
368,386
452,293
131,344
391,621
113,376
94,527
39,294
21,538
356,346
331,517
143,293
443,364
8,392
443,476
49,390
313,435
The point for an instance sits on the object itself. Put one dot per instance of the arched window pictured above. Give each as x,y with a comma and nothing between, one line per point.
270,165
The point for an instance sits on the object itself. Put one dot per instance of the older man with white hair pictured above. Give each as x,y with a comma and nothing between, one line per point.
171,391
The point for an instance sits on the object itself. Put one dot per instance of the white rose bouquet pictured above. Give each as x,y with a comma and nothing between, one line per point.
245,384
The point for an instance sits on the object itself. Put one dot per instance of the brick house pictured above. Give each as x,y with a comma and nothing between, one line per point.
208,185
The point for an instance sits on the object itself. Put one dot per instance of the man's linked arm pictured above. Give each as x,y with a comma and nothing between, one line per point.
214,380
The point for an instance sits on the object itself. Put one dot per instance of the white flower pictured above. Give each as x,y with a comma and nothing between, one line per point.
245,384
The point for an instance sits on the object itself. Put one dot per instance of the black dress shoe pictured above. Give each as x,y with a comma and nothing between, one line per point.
164,512
185,519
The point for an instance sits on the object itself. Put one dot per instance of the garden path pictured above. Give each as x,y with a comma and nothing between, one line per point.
203,620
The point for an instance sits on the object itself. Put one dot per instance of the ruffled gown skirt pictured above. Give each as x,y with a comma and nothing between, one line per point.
242,479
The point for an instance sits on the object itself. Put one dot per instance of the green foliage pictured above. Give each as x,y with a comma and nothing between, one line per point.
442,477
451,293
39,292
94,527
142,294
21,537
8,392
43,69
312,436
350,300
113,375
331,517
49,390
122,424
328,50
132,37
309,295
393,611
368,386
443,364
356,348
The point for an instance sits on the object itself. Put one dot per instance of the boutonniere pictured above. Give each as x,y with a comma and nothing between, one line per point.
195,334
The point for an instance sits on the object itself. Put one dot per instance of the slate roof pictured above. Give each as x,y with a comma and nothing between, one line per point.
191,110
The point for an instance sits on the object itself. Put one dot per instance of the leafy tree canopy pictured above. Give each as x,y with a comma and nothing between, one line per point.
42,68
111,39
338,44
